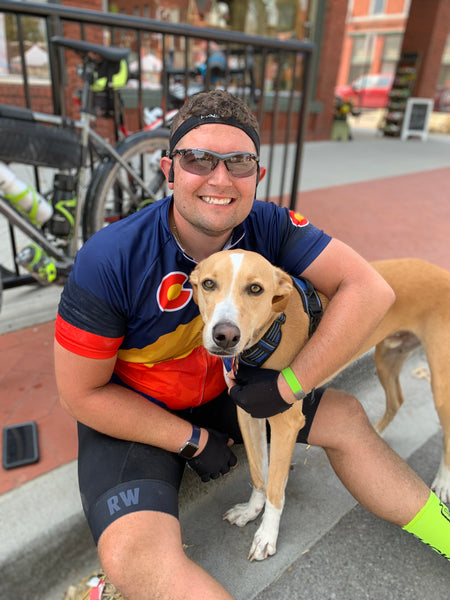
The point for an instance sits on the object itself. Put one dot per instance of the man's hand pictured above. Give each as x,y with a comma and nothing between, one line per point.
215,459
256,391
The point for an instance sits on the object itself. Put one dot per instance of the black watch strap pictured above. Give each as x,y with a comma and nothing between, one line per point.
188,449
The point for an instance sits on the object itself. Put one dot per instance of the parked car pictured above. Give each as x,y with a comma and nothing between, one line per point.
367,91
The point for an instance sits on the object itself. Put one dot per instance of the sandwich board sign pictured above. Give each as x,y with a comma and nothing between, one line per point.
417,117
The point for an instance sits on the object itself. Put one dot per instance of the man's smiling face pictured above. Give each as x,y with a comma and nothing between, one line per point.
215,203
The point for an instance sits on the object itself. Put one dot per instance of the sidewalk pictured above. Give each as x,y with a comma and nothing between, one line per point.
384,197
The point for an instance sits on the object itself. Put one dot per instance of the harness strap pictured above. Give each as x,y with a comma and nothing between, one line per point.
311,302
265,347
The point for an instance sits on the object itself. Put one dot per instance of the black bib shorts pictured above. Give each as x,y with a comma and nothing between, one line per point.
118,477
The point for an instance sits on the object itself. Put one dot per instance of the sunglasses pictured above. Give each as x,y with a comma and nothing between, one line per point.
203,162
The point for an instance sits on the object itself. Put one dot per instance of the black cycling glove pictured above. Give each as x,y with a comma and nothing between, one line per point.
256,392
215,459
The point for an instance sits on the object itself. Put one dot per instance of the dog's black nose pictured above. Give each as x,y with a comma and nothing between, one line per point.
226,335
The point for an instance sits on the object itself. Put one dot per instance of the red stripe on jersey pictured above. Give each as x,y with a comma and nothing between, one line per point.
179,383
83,342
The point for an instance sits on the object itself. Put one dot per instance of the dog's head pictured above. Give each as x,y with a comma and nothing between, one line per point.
239,294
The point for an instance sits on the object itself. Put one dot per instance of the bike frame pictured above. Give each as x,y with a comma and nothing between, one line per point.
87,136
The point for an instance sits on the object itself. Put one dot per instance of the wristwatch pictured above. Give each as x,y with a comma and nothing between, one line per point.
189,448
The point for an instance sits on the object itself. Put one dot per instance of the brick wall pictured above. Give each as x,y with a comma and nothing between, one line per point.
13,94
426,32
319,125
395,7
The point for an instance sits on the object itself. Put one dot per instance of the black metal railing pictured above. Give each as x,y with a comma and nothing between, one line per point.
270,74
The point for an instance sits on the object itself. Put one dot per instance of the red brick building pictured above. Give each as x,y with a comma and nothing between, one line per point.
353,37
378,31
350,36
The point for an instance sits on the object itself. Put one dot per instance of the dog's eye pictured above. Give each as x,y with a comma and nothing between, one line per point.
255,289
208,284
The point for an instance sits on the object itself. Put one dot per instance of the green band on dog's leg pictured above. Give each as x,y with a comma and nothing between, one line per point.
432,526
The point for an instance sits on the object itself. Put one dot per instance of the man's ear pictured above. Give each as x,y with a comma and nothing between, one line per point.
262,173
166,164
193,278
283,291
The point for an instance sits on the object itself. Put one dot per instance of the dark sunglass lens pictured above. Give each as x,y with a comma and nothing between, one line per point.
242,165
198,162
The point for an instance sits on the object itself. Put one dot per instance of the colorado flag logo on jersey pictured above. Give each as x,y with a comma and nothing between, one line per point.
171,294
297,219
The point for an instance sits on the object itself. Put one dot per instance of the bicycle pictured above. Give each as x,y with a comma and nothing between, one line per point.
123,178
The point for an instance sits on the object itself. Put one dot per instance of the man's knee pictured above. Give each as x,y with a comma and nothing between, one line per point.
143,547
347,407
340,416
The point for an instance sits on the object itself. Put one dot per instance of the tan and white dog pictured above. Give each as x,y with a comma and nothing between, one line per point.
240,294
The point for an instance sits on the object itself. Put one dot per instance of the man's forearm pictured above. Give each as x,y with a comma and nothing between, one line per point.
125,414
351,316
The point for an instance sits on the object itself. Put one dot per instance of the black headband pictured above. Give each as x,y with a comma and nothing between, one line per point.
196,121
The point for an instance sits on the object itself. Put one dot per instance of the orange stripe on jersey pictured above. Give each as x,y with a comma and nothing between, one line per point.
84,343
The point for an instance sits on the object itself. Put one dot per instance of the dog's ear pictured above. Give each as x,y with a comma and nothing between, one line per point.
283,291
193,278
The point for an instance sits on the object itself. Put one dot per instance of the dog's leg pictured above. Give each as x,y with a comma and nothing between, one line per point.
390,354
284,429
255,440
441,483
438,356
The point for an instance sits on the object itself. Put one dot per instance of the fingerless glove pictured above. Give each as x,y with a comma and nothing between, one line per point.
256,392
215,459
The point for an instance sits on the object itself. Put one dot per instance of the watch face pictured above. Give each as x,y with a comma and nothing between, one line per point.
188,450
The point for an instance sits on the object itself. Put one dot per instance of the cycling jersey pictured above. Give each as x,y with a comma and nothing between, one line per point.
129,294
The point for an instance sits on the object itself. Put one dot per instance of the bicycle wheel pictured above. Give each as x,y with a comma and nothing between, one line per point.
113,194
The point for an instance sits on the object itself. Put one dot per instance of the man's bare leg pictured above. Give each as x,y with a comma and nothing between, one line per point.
371,471
143,556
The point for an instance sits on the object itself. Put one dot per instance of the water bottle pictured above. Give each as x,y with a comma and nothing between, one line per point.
24,197
64,202
38,263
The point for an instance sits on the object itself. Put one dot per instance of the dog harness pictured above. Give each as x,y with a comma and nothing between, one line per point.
257,355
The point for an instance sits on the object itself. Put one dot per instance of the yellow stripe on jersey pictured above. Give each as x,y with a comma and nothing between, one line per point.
173,345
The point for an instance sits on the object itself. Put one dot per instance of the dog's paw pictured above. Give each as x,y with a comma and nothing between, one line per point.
261,548
441,483
241,514
265,540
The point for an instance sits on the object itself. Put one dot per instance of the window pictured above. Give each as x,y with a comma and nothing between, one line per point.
30,39
391,52
274,18
377,7
361,56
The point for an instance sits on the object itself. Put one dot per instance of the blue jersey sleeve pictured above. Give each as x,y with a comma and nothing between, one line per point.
285,237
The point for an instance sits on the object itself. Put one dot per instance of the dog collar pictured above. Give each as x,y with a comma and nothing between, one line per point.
257,355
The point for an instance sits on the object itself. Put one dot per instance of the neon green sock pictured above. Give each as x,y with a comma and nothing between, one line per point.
432,526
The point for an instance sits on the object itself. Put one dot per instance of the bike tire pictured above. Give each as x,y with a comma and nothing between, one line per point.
111,195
